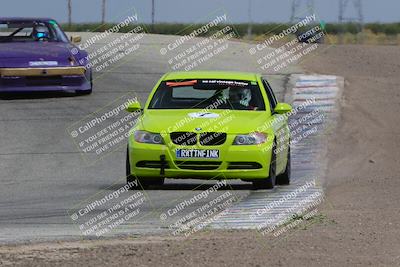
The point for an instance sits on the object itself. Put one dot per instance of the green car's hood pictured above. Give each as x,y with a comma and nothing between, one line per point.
229,121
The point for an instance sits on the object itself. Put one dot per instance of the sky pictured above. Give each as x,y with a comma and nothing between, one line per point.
189,11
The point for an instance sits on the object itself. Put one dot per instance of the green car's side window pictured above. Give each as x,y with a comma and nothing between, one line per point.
271,97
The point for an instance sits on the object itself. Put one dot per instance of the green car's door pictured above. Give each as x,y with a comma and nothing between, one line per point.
281,130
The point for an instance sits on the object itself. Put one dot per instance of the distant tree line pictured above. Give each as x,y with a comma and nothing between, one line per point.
241,29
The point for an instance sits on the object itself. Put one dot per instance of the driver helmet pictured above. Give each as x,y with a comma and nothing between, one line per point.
40,32
242,96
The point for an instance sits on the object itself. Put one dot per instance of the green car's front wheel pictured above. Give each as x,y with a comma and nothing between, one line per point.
141,182
284,178
129,177
269,182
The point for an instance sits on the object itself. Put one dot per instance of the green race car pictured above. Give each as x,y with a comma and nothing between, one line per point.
210,125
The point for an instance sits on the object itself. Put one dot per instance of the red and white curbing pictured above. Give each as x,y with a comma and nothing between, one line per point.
308,160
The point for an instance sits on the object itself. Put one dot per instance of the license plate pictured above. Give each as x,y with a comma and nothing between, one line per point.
43,63
197,153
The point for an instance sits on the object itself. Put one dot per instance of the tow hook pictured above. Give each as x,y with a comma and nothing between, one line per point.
163,165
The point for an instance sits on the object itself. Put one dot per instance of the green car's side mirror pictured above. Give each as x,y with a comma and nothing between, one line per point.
282,108
134,106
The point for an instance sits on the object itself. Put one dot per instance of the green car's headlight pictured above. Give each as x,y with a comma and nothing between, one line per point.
250,139
149,138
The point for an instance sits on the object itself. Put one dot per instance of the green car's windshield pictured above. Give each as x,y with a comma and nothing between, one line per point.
208,93
31,31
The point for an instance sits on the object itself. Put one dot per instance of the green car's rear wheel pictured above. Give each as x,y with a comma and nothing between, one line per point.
268,183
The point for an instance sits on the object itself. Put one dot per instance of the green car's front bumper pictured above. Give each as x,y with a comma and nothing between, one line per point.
245,162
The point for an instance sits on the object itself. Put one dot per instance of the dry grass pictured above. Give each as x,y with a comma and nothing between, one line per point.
365,37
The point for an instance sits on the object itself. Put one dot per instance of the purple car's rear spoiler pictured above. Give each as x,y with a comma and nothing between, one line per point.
4,72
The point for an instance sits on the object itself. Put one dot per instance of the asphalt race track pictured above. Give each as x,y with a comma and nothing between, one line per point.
43,176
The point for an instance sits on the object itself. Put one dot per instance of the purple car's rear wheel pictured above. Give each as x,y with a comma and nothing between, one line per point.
86,92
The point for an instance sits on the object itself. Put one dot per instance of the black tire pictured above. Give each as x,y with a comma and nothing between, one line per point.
284,178
129,177
86,92
269,182
143,183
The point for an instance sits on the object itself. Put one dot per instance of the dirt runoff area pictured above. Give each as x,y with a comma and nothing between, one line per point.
358,223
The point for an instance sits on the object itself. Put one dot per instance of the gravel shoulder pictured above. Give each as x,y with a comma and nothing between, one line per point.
357,224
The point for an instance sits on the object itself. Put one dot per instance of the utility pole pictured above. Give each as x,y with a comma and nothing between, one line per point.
300,9
69,12
250,19
103,12
358,18
153,13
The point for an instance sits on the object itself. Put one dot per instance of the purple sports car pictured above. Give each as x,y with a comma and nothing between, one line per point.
36,55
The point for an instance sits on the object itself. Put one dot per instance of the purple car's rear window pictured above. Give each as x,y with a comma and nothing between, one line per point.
31,31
